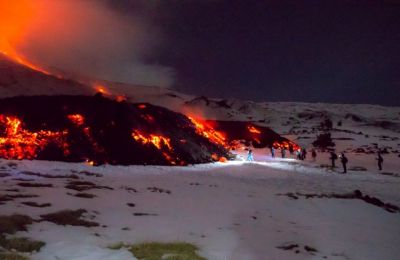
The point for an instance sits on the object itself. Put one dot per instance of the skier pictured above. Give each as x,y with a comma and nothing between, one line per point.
333,158
272,152
314,154
283,151
380,160
344,161
250,155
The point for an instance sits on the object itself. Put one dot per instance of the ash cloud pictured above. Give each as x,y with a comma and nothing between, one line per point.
90,39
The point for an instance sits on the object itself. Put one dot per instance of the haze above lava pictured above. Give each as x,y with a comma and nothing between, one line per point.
81,38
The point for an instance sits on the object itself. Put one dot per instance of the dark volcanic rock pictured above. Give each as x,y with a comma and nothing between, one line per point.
106,135
323,141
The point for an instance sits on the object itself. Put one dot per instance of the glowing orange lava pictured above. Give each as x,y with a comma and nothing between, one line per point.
18,143
208,132
102,89
77,119
158,141
253,130
286,145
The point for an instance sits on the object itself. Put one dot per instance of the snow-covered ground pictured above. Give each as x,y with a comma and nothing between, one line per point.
232,210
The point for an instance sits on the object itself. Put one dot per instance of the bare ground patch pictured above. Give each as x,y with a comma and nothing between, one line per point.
357,194
20,244
83,195
158,190
35,185
84,186
69,217
36,205
50,176
10,197
14,223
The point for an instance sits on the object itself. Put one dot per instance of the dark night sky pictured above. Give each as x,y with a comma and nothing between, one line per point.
312,50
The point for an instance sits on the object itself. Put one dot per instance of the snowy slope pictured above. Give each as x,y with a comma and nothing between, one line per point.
231,211
354,126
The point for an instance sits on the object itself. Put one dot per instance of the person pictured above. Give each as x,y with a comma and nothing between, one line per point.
298,154
272,152
283,151
344,161
250,155
314,154
333,158
380,161
303,153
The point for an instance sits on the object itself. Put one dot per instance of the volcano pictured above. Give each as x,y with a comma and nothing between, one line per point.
47,117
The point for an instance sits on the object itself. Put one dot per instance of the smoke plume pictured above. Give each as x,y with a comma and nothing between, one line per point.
83,37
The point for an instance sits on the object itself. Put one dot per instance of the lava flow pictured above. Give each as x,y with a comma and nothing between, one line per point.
254,130
158,141
209,132
79,121
18,143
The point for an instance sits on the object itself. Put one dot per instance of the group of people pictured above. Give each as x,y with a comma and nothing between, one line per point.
301,154
343,160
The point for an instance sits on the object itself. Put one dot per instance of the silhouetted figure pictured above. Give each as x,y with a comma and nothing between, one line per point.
283,152
298,154
303,154
380,160
250,155
344,161
314,155
333,159
272,152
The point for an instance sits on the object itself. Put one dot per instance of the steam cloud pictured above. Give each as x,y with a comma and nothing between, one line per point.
88,38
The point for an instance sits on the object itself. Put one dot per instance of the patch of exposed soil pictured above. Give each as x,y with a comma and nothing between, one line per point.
69,217
35,204
357,194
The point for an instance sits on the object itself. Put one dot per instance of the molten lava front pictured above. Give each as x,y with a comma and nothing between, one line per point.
209,132
160,142
18,143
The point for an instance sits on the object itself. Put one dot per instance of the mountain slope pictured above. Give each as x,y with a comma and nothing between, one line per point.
16,80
